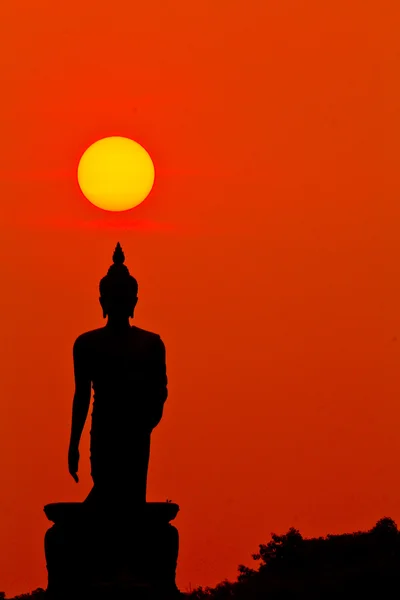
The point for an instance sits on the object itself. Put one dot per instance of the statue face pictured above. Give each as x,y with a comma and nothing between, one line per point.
119,307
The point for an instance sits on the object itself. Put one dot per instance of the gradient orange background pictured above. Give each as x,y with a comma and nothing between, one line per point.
267,257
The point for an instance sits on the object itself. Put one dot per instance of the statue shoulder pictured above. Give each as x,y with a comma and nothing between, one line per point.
149,336
85,340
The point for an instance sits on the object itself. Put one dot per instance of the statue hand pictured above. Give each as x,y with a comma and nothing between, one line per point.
73,461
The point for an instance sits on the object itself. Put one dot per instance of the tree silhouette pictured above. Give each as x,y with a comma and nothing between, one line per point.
385,526
338,566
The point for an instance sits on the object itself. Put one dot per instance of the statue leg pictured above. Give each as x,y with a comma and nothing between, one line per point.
120,475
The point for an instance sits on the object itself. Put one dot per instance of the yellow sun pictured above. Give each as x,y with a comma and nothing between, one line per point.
115,173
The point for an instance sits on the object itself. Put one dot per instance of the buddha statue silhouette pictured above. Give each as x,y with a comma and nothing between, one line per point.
126,368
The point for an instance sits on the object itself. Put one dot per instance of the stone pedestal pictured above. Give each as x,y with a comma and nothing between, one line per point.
118,553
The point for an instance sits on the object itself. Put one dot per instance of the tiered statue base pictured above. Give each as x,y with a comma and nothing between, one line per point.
93,553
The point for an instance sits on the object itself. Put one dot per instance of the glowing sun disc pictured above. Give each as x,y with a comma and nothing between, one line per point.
116,173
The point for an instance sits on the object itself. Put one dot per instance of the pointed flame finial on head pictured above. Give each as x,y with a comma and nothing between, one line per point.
118,256
118,268
118,279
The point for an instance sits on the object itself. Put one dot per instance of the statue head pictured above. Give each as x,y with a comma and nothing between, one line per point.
118,289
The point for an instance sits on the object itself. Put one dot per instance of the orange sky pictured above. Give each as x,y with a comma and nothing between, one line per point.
267,257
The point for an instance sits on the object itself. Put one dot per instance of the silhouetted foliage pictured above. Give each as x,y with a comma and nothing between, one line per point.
38,594
338,566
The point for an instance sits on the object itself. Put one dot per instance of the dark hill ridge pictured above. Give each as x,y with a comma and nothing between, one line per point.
339,567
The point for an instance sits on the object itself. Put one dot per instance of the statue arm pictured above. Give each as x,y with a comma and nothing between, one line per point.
81,401
159,381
